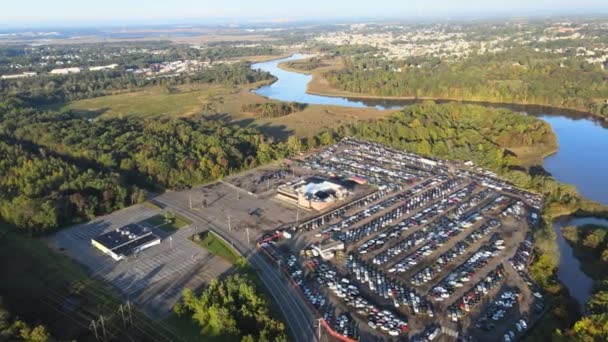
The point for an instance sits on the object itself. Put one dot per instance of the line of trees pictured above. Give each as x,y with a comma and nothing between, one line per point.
518,75
272,109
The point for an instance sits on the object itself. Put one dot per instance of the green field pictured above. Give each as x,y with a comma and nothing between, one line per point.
150,102
216,102
217,246
169,222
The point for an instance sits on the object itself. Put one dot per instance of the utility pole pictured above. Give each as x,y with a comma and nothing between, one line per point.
237,193
229,226
319,321
93,327
103,327
190,201
171,242
122,315
129,311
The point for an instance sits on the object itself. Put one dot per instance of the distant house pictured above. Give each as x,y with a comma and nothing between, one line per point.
65,71
25,74
103,67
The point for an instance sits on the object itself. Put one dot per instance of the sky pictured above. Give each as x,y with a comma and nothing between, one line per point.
38,13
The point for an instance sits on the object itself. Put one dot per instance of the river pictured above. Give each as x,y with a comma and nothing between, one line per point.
582,143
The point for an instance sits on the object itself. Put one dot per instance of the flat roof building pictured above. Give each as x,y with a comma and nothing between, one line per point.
125,241
316,194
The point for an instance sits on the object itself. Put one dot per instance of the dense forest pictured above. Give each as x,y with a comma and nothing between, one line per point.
60,166
518,76
272,109
232,308
590,245
455,131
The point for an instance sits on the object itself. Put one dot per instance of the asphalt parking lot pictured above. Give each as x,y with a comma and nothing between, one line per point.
152,279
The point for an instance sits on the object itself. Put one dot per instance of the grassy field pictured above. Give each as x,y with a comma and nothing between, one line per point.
219,103
151,101
217,246
168,223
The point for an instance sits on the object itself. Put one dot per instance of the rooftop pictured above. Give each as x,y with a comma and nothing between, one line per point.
124,240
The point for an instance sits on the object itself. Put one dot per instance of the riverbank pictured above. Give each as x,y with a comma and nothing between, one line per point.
320,86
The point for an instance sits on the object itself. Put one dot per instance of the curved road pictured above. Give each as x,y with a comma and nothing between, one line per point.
299,318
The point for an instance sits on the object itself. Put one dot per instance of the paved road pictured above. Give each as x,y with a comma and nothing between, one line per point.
299,318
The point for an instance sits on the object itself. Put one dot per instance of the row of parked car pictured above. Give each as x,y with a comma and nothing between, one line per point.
387,288
386,154
491,180
504,302
474,296
436,238
341,212
382,222
444,260
465,271
520,259
384,320
389,170
344,323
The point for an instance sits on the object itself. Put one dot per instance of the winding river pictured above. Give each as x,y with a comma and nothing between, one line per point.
583,141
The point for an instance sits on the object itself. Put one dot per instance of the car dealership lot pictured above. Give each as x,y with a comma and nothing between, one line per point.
432,246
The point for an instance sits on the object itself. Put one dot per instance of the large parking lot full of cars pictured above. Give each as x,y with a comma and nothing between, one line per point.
436,251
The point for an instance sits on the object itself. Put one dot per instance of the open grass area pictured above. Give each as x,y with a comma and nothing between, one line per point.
217,246
168,222
216,102
151,102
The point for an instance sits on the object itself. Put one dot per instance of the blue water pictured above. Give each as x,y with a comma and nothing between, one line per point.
582,158
291,87
569,271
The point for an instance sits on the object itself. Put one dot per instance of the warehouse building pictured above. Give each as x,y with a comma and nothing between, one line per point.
125,241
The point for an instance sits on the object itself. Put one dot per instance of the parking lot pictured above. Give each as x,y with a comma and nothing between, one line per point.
152,279
425,254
